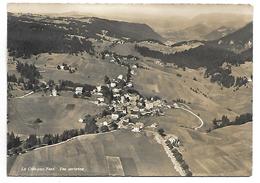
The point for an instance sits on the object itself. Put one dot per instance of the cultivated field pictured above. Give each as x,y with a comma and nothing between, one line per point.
113,153
54,112
222,152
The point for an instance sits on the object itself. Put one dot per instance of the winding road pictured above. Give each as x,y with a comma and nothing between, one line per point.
201,121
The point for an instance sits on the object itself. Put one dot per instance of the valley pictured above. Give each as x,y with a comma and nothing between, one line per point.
115,99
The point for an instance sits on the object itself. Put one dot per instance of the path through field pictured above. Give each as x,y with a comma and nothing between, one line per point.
201,121
26,95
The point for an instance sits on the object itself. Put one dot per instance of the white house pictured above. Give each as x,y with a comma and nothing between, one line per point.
175,141
113,85
101,99
148,105
122,99
134,67
154,125
78,90
80,120
120,77
137,127
134,116
54,92
116,95
134,97
175,105
114,116
115,90
98,88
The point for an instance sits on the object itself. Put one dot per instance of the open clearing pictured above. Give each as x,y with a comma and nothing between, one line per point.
113,153
222,152
56,113
89,69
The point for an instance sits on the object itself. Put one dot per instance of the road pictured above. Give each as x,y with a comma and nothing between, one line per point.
201,121
26,95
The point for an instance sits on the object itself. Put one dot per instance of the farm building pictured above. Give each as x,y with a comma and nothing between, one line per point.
78,90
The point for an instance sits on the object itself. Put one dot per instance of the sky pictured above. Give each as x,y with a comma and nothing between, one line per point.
117,10
161,17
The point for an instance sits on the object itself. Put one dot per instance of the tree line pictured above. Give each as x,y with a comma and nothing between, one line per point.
27,39
16,146
225,121
205,56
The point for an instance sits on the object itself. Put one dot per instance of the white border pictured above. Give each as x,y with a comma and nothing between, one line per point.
256,91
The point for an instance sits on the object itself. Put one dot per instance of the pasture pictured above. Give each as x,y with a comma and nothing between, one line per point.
109,154
57,114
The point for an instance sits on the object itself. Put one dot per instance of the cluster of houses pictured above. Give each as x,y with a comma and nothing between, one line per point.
115,58
67,67
127,105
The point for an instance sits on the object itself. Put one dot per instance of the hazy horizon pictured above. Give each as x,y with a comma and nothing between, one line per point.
161,17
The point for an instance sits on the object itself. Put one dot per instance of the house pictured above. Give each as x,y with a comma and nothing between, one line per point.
175,141
129,85
137,127
175,105
135,109
120,77
54,92
101,99
116,95
122,99
134,97
134,116
105,123
134,67
78,90
158,62
132,72
116,90
148,105
62,67
154,125
114,116
113,85
80,120
98,88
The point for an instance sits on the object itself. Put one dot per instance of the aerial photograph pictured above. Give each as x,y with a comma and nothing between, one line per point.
129,90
